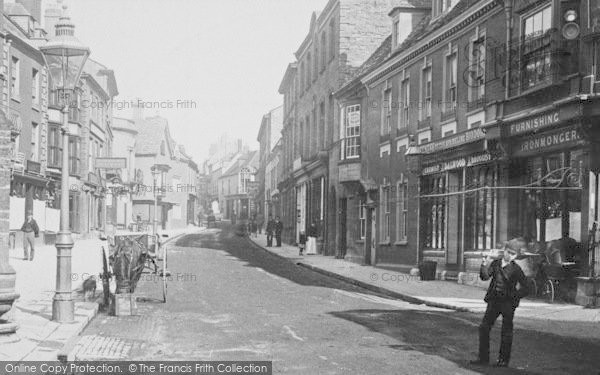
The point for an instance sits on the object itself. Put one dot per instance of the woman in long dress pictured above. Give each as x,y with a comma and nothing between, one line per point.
311,243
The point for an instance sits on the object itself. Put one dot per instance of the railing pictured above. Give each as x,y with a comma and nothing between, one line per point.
535,61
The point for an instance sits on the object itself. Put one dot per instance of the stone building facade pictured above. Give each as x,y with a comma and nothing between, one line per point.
340,38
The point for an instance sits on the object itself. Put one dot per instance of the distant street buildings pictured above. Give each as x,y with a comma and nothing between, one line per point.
99,198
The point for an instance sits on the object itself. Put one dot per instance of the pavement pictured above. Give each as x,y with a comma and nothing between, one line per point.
38,337
435,293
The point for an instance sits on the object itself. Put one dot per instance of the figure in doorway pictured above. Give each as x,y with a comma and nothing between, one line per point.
278,230
270,229
311,243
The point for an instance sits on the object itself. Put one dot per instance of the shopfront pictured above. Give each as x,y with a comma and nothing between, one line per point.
458,208
549,196
458,199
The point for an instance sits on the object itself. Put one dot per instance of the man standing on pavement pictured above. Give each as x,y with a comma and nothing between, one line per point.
30,232
278,230
270,229
502,298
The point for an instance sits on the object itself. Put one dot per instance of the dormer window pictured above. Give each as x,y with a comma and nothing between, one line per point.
396,32
438,7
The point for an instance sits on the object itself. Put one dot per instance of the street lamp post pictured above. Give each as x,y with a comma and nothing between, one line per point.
65,57
157,170
155,173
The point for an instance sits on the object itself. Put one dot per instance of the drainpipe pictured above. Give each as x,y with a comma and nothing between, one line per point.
508,8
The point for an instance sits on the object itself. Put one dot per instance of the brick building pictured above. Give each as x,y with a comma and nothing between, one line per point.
503,128
340,38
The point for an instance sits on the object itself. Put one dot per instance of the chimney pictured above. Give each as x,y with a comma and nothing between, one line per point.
51,17
34,7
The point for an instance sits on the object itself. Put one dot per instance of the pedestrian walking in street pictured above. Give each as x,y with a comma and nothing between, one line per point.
254,228
502,298
30,232
260,222
270,230
278,230
311,243
301,242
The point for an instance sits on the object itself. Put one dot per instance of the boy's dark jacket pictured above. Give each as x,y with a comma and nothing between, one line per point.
513,275
34,227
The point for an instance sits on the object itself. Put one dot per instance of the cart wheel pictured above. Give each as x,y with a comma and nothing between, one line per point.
165,274
548,291
105,279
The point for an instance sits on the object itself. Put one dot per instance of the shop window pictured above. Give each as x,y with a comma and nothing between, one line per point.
480,208
551,209
434,211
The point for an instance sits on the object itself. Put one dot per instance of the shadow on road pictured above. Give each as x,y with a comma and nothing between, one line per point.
225,239
449,336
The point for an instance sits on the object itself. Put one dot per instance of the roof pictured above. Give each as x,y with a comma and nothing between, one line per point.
124,124
250,159
412,4
288,77
149,137
427,26
103,76
15,9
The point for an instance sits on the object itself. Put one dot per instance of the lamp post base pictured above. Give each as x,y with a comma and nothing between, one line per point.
63,311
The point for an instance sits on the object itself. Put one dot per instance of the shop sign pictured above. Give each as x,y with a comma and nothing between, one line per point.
458,163
468,136
565,137
534,123
110,163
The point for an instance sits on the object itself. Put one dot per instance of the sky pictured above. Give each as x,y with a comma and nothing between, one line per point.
208,66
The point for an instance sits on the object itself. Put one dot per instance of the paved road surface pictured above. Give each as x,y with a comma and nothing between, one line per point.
230,300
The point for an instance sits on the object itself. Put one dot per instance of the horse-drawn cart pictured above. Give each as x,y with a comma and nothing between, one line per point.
129,256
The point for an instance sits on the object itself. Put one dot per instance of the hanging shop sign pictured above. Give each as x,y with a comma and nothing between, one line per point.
456,140
468,161
548,141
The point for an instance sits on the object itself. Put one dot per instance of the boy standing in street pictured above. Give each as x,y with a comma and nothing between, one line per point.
502,298
30,232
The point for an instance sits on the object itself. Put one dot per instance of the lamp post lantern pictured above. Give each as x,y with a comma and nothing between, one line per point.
65,57
414,158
